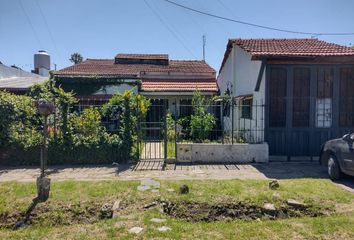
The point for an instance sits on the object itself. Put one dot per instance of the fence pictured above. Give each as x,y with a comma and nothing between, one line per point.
93,139
234,122
168,122
243,122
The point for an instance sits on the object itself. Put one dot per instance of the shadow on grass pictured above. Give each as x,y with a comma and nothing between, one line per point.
26,219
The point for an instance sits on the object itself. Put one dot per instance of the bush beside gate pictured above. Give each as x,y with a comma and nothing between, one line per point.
75,136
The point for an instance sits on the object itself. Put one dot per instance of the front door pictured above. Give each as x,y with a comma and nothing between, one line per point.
300,100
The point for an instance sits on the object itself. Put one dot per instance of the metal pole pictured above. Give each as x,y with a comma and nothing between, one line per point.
175,128
44,152
138,129
204,42
256,121
45,147
232,121
165,129
221,112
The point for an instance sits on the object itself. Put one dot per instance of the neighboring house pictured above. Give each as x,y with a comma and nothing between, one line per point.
306,86
18,81
15,80
165,81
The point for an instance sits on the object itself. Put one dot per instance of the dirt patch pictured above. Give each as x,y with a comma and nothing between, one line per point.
55,214
344,207
192,211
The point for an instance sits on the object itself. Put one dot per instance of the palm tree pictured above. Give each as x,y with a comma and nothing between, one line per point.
76,58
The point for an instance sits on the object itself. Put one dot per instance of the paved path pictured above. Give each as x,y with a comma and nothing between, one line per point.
172,171
176,172
152,150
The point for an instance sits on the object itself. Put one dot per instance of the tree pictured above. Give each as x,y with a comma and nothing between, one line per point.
76,58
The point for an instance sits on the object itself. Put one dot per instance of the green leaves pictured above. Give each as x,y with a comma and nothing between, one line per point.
127,110
201,122
73,137
86,127
18,120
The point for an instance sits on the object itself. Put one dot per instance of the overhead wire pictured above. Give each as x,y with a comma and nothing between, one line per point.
169,28
48,29
31,25
256,25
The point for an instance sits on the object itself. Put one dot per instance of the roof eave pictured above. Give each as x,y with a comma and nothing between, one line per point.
95,76
257,57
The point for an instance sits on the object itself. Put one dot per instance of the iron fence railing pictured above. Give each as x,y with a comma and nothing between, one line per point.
234,122
167,123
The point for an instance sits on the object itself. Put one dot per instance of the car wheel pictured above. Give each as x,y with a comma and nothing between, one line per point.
333,168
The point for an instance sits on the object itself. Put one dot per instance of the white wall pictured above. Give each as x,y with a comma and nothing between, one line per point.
226,75
242,72
111,89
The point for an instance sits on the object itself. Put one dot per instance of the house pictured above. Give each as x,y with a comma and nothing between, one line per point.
165,81
15,80
18,81
306,88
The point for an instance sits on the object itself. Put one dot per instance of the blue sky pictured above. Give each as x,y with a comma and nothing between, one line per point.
101,29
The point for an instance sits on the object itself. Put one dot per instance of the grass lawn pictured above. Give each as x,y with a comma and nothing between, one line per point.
55,221
171,149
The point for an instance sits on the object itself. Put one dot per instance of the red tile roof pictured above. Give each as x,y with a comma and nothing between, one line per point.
292,47
288,47
179,85
142,56
108,68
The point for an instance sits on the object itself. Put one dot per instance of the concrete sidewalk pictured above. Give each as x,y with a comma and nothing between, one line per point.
171,171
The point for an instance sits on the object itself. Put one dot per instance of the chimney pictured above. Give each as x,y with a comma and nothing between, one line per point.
41,63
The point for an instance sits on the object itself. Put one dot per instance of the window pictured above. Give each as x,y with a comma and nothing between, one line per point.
323,112
185,107
324,97
246,108
346,102
277,97
301,97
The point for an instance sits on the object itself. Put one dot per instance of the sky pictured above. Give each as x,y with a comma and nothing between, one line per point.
104,28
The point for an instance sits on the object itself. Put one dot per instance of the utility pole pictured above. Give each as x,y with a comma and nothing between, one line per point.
204,42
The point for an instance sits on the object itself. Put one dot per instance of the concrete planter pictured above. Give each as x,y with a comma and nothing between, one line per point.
222,153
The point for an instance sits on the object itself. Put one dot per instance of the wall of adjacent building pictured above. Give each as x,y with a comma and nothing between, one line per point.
242,72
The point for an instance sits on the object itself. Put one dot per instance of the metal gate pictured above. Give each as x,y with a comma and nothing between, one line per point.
153,138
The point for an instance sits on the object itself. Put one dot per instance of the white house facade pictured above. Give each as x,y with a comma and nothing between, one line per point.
294,94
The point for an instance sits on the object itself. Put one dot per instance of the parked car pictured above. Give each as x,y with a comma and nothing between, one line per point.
338,156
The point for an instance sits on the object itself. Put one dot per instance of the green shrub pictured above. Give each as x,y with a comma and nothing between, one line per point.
86,127
201,122
19,121
171,132
127,110
74,138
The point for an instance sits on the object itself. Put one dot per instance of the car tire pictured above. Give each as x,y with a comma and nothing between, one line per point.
334,172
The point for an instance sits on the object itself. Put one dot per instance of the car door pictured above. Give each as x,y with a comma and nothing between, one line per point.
348,153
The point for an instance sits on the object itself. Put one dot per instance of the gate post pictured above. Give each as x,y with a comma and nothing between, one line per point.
232,120
165,128
175,122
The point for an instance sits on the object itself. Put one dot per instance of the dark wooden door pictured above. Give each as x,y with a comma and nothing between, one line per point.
306,106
